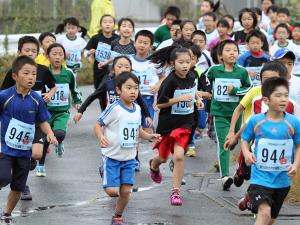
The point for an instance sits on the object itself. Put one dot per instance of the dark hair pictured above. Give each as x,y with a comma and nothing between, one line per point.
174,11
275,66
177,22
175,52
123,77
282,25
125,19
253,15
186,22
284,11
20,61
269,86
44,35
28,39
116,59
59,28
145,33
223,23
199,32
107,15
195,50
268,0
257,10
214,54
71,20
231,18
255,33
56,45
226,42
296,25
273,8
212,15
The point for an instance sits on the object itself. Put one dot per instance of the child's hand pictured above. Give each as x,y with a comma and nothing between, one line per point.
250,158
292,170
155,106
155,138
200,104
92,51
149,122
90,59
100,65
103,142
154,89
77,106
231,141
46,97
229,88
77,117
185,98
52,139
251,73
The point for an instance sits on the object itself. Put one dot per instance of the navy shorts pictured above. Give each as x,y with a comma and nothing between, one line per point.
116,173
149,100
14,171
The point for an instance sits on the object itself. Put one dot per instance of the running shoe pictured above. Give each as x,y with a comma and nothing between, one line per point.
244,203
226,183
26,194
60,150
5,218
117,221
175,197
191,151
155,175
41,171
217,167
238,178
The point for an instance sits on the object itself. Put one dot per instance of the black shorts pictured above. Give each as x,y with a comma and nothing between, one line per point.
272,196
14,171
39,136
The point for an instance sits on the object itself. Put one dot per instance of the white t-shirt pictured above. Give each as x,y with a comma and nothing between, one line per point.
211,36
264,19
275,47
203,61
121,127
146,72
165,44
296,50
73,47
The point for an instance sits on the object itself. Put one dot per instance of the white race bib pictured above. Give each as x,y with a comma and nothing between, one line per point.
183,108
256,79
61,96
274,155
19,135
74,58
220,89
146,78
128,132
104,53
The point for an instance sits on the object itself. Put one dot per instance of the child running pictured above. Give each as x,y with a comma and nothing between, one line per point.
45,40
117,131
276,156
17,130
60,103
175,100
230,82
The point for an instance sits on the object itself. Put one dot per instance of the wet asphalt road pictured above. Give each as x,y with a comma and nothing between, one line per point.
71,193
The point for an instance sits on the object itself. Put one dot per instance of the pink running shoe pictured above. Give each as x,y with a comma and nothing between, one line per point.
175,198
155,175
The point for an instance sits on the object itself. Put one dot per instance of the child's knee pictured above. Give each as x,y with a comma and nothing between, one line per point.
60,135
37,151
112,192
178,157
264,211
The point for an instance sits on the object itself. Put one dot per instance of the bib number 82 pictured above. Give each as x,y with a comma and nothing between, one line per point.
222,90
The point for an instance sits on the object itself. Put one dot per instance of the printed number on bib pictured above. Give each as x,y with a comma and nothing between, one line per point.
19,135
274,155
146,79
74,57
256,79
220,89
61,96
184,107
129,131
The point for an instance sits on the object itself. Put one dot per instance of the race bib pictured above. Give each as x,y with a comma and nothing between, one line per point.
128,133
74,58
146,78
274,155
104,53
112,97
61,96
19,135
256,79
186,107
220,89
243,49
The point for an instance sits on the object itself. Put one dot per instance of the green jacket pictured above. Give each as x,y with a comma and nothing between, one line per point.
161,34
223,104
66,86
